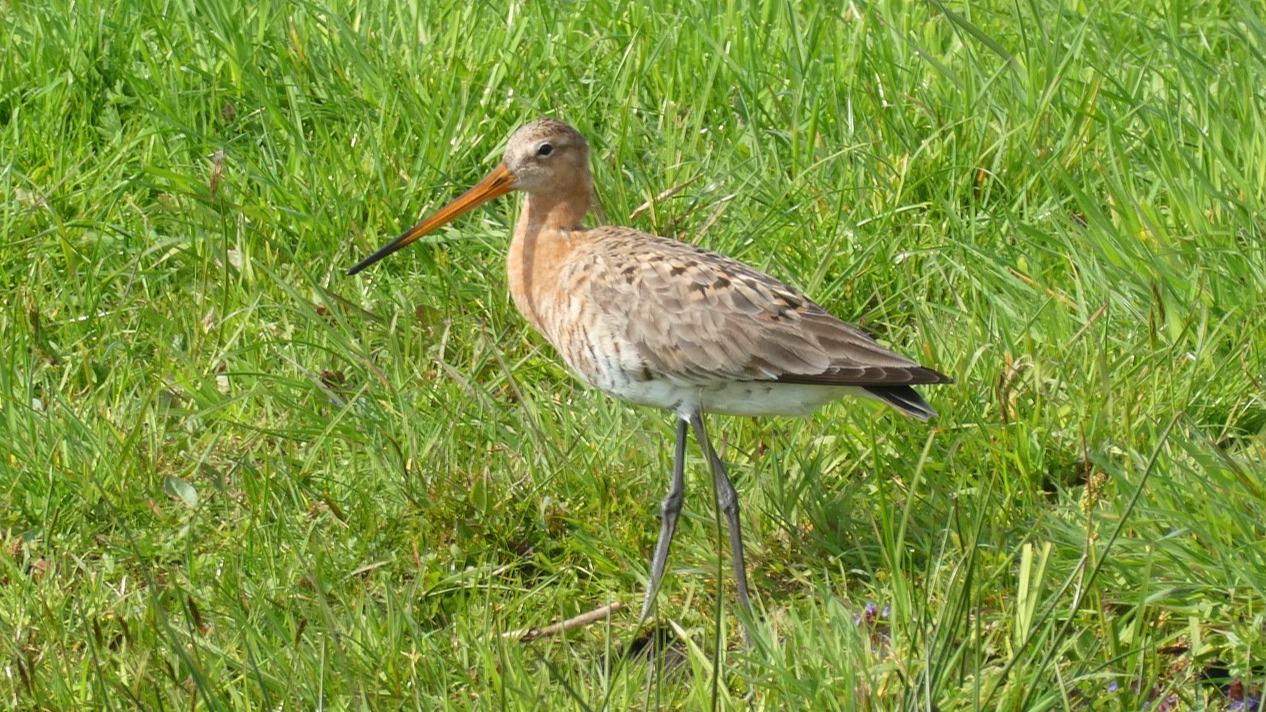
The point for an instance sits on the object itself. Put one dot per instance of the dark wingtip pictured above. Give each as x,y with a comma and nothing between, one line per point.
904,399
932,376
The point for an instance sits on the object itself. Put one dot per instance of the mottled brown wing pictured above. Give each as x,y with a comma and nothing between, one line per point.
699,316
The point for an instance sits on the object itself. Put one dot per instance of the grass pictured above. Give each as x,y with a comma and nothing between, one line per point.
235,478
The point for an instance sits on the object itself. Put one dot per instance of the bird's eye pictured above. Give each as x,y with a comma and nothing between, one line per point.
544,150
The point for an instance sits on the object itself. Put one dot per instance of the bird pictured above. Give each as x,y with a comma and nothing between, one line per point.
665,323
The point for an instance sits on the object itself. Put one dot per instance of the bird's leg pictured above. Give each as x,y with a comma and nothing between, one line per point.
672,508
727,500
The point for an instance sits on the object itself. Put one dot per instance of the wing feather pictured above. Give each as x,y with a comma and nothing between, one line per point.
696,315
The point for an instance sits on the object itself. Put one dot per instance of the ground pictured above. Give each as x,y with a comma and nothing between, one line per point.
232,477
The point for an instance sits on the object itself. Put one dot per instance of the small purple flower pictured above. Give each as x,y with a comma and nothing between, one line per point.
871,611
1113,686
868,614
886,612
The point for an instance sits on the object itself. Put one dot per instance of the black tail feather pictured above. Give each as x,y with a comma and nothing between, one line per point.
904,399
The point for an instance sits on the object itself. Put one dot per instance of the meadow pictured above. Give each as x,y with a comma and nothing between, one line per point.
232,477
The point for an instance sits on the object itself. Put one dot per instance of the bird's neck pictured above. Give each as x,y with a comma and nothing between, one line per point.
554,211
548,231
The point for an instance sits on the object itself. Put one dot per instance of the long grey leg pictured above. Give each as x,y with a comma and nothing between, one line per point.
672,508
727,500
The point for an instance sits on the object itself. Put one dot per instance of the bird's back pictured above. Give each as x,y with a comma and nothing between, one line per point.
666,323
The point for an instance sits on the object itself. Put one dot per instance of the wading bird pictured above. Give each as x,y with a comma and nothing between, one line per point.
664,323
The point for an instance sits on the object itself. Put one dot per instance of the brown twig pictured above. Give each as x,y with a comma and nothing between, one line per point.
1089,323
1033,283
529,634
665,195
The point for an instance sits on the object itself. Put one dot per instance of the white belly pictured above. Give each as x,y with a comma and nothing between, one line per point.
751,398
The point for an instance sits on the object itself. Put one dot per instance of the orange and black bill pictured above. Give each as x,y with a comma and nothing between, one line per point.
499,182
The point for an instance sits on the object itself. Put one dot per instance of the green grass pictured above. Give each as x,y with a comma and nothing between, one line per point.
232,477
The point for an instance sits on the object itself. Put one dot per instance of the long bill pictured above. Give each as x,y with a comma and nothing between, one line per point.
496,184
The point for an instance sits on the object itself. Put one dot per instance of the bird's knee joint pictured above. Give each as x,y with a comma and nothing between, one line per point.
728,502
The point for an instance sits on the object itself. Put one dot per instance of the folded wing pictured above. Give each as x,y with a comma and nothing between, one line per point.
697,316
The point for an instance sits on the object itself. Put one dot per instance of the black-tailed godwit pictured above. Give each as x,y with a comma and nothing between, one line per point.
664,323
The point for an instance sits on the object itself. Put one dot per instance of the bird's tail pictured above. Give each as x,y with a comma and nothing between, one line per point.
904,399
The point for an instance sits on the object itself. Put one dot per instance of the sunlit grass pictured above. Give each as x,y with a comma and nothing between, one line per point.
236,478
